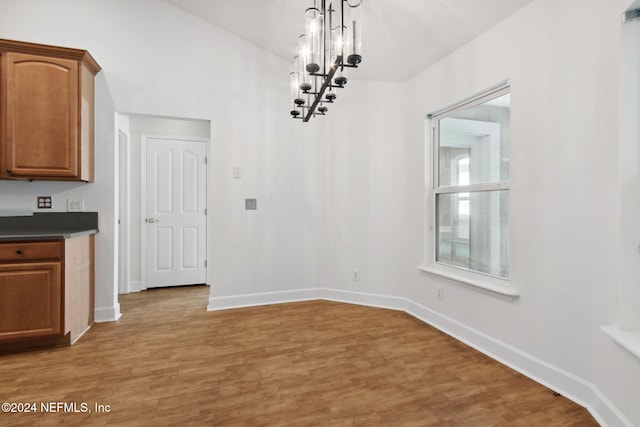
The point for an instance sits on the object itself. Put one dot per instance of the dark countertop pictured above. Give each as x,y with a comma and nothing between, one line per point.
48,226
24,235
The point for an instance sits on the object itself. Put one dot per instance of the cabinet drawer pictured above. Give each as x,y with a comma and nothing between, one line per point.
30,251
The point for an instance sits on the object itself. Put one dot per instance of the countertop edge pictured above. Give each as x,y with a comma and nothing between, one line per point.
22,236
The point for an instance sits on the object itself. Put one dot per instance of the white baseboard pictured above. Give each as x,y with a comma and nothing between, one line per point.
107,314
265,298
567,384
135,286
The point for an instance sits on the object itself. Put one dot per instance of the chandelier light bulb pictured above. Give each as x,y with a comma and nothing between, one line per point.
353,32
314,25
303,58
295,83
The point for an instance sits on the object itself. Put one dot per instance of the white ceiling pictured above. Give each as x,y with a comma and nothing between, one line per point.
400,37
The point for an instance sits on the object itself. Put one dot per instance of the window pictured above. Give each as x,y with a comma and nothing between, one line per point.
471,183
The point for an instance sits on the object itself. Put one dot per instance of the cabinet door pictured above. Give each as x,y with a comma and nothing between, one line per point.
42,117
30,300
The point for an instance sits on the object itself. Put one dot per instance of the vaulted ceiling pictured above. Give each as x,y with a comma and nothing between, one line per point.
400,37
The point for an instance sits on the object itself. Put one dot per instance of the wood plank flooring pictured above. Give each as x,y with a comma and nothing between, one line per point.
318,363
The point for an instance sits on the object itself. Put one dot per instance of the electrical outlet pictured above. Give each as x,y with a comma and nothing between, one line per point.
441,293
355,275
237,173
44,202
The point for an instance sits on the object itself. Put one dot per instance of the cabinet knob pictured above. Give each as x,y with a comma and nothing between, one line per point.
19,251
8,170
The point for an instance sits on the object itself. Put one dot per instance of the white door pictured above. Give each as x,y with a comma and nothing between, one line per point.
175,212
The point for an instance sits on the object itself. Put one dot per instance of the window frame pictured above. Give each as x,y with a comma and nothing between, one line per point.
489,282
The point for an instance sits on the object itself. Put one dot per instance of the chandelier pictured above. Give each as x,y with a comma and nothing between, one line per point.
331,44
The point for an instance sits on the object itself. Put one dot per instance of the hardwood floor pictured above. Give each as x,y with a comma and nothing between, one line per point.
318,363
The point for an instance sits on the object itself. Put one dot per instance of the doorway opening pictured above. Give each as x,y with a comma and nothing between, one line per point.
163,201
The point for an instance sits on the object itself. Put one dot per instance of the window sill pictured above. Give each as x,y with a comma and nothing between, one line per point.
496,289
629,340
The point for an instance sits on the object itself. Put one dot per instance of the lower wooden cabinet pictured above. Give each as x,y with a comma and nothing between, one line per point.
46,292
30,300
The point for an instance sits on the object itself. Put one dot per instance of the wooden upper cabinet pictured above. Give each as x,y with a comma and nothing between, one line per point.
42,117
46,112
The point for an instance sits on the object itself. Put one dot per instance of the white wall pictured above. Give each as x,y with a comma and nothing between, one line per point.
358,191
630,176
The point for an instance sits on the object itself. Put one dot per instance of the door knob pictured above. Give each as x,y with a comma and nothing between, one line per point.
151,220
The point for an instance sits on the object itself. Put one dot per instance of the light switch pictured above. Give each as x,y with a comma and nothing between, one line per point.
237,173
75,205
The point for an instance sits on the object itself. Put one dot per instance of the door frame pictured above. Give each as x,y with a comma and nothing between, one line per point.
124,212
143,196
